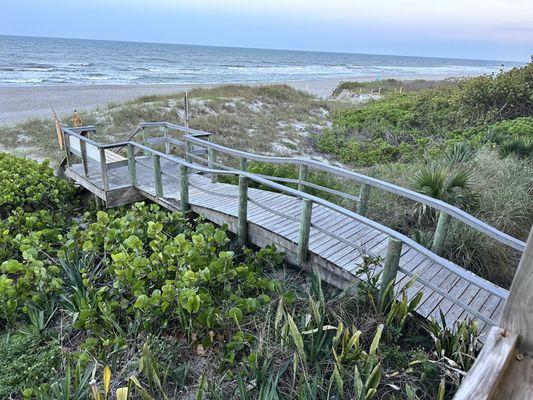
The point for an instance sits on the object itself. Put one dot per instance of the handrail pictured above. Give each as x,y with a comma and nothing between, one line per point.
194,132
459,214
468,275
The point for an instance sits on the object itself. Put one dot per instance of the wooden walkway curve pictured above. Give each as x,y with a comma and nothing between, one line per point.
338,239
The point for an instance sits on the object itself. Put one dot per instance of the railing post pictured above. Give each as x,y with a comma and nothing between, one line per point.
211,160
302,177
243,211
132,171
145,139
243,164
158,176
188,152
83,150
103,168
305,229
66,145
184,190
167,143
186,109
390,269
363,199
439,238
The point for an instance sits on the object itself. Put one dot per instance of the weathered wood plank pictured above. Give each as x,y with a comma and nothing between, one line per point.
482,380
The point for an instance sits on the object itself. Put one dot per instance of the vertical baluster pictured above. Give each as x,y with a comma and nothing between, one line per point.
103,168
132,170
363,199
305,229
83,150
186,109
66,145
390,269
184,190
167,143
158,176
302,177
243,164
440,233
146,134
243,211
188,151
211,160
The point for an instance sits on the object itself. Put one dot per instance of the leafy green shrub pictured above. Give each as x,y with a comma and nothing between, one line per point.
403,126
24,283
170,271
31,186
26,358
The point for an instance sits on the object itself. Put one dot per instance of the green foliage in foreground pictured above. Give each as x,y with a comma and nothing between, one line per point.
147,304
406,126
27,358
30,186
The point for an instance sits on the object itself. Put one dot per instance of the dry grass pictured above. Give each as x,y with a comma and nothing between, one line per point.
273,119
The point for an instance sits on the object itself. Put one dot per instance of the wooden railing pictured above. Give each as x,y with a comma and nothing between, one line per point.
190,164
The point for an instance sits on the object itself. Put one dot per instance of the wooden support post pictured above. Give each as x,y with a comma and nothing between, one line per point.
242,221
390,269
302,177
132,170
145,139
243,164
83,150
98,202
364,194
184,189
66,145
188,152
158,176
211,160
186,109
103,168
440,233
167,143
305,229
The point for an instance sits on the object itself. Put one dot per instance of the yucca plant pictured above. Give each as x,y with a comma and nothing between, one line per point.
73,386
459,153
458,343
452,186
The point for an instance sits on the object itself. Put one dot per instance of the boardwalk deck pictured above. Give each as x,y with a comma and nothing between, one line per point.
336,246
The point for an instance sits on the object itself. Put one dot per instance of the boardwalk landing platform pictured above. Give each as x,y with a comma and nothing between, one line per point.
274,217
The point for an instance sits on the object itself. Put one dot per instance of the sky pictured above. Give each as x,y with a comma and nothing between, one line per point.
481,29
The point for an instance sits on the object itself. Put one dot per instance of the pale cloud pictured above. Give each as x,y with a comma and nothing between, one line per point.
474,19
463,28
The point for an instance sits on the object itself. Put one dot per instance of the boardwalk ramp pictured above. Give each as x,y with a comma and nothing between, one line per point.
181,169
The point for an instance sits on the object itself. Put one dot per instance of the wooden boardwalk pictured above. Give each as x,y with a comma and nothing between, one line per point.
275,218
311,231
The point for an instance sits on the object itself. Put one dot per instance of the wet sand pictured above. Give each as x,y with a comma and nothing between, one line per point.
21,103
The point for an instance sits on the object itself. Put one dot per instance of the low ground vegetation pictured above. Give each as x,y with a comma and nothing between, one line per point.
138,302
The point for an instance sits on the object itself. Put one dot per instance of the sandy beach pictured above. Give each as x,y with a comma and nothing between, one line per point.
20,103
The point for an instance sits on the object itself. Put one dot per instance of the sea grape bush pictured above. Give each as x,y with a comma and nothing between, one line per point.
34,215
32,186
173,272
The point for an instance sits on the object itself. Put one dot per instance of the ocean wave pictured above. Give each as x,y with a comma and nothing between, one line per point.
32,63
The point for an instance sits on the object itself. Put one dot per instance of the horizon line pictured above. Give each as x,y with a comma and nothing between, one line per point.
264,48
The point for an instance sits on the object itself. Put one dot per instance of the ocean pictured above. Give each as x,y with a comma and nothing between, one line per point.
26,61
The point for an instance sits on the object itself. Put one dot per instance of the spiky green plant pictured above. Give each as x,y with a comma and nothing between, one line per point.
453,186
